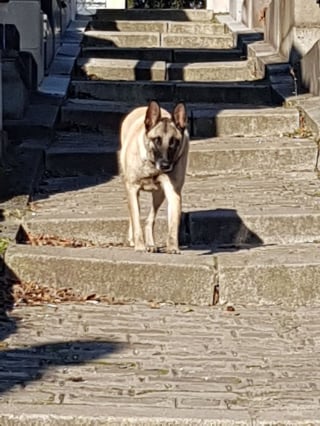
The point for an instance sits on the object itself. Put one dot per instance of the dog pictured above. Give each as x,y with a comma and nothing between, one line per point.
153,157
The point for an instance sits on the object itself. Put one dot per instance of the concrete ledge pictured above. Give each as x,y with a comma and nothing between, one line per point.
122,69
310,70
271,275
196,28
244,122
197,41
120,273
310,108
212,71
121,39
127,26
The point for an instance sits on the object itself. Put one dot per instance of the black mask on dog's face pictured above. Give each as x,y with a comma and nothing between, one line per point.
165,135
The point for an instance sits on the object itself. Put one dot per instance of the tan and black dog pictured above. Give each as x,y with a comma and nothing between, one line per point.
153,157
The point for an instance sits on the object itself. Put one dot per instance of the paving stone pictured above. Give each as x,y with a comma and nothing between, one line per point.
151,374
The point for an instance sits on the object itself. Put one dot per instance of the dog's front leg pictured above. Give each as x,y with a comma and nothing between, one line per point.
157,200
135,231
174,213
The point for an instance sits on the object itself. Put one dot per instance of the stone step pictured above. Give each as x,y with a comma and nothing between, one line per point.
118,272
121,69
268,275
224,209
38,122
204,120
244,121
211,71
73,154
178,15
140,92
204,28
133,70
162,54
152,40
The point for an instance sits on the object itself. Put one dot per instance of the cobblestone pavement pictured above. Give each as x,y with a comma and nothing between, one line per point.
94,364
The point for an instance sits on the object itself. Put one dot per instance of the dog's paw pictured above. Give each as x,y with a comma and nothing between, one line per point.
140,249
152,249
173,250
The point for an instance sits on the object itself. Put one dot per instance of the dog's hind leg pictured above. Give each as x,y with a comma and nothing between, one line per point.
157,200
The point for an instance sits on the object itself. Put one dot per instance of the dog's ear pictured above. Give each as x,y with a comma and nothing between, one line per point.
179,116
153,115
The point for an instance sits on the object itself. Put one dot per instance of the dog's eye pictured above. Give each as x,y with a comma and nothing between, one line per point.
157,141
173,143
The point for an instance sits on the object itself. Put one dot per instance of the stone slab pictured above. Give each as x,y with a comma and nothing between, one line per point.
120,273
245,122
211,71
196,28
62,65
196,41
122,69
56,85
121,39
267,275
283,275
310,110
126,26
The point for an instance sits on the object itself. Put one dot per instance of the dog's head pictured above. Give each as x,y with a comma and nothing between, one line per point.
165,135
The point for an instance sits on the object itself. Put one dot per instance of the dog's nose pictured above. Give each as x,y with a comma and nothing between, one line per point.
165,165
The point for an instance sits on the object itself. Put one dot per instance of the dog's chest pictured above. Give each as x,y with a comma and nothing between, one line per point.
149,183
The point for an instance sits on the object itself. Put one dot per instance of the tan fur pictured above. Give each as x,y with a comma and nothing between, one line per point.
160,169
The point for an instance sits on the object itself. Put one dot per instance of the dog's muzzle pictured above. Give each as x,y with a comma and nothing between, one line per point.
164,166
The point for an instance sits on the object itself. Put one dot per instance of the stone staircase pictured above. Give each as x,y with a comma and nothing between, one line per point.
251,218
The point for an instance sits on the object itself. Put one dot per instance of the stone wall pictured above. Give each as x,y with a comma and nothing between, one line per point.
27,17
3,134
310,69
292,26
